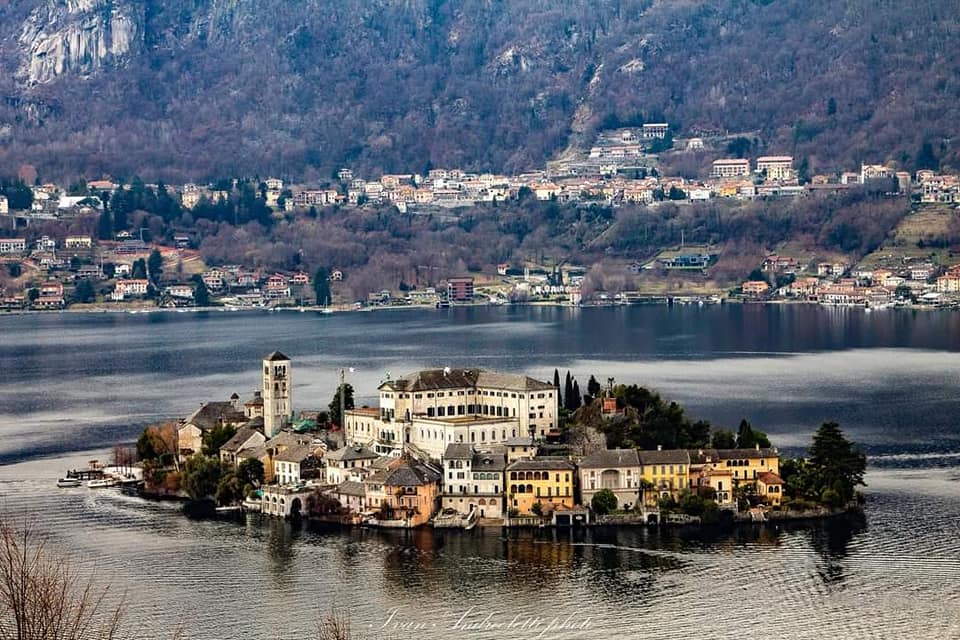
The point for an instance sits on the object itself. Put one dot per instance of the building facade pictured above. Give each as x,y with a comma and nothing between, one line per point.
776,167
277,393
730,168
473,479
431,409
615,469
547,481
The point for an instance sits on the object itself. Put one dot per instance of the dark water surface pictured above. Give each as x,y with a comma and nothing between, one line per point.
75,382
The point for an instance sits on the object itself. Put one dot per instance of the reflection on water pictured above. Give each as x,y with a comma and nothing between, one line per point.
805,577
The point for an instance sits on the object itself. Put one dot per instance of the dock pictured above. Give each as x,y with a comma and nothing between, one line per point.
86,474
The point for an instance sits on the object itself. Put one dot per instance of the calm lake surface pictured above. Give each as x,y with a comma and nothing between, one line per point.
73,384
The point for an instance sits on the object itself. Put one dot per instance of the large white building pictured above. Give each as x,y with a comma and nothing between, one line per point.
428,410
730,168
776,167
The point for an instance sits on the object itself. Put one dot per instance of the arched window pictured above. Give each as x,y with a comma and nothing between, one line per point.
513,475
513,488
529,488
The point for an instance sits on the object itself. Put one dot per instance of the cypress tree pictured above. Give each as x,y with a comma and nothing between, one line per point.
577,400
105,226
593,387
567,391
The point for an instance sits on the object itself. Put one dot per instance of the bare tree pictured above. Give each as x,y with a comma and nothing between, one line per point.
334,626
42,597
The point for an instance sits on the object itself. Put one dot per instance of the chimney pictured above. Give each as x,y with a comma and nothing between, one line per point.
659,447
757,446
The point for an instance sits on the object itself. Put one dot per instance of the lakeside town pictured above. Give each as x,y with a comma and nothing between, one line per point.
460,448
116,266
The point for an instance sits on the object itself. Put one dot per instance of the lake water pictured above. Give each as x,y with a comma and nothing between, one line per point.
73,384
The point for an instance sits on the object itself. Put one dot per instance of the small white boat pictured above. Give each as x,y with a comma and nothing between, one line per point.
66,483
103,483
326,310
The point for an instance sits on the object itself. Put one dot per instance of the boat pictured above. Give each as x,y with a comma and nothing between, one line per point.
326,310
102,483
66,483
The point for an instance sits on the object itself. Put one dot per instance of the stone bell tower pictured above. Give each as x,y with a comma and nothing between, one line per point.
277,393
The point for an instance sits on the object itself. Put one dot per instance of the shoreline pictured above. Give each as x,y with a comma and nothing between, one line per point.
206,510
654,301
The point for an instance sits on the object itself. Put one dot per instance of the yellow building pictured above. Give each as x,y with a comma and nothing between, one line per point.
666,471
412,495
748,464
547,480
770,488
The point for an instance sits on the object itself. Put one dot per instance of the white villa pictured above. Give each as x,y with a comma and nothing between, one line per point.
428,410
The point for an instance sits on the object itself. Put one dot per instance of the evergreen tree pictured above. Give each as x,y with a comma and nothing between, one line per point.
723,439
120,205
19,194
567,391
155,265
84,292
216,437
321,287
139,270
748,437
577,400
593,387
556,379
334,405
836,465
201,295
201,475
105,226
926,158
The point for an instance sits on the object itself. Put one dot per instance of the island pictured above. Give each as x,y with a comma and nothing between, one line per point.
460,448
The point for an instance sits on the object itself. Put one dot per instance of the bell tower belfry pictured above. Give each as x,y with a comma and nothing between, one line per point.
277,393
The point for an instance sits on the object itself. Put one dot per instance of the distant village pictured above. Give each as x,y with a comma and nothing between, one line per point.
60,270
457,448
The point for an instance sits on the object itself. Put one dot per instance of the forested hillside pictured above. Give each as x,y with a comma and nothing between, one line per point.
188,89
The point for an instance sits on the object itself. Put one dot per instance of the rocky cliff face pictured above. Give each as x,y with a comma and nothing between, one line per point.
77,36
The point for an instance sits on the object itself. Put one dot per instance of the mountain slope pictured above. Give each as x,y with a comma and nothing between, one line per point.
196,88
